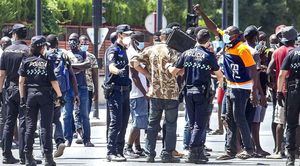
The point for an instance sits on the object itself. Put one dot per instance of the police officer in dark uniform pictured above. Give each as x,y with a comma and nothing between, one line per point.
37,82
9,66
198,63
117,95
291,64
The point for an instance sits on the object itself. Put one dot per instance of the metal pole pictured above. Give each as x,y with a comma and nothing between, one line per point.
159,14
224,14
38,17
97,19
190,6
236,13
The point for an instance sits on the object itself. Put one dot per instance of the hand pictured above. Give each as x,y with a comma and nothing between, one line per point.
263,101
254,99
60,102
122,72
167,65
77,100
280,99
23,103
197,8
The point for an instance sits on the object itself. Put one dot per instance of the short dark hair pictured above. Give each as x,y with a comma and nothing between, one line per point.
203,36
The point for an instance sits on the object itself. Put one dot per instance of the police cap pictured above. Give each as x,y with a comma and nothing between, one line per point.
166,31
18,27
52,40
124,28
38,41
289,33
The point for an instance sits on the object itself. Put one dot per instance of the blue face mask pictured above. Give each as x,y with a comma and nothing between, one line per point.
141,45
84,47
226,39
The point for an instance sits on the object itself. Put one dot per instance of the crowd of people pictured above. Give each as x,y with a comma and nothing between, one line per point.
243,70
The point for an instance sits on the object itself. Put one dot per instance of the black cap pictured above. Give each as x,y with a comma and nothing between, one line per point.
251,31
124,28
74,36
18,27
173,25
38,41
52,39
289,33
139,36
203,36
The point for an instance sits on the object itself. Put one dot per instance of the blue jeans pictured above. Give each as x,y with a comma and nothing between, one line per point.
119,109
157,106
84,117
186,132
58,130
198,113
236,101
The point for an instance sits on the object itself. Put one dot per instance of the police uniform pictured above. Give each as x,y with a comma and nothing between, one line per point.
118,101
10,63
292,64
39,73
198,64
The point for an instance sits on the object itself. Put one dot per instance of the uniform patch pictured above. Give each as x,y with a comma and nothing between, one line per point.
110,57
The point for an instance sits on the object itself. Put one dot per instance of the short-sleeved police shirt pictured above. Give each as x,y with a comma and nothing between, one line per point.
292,63
198,64
39,71
12,58
116,54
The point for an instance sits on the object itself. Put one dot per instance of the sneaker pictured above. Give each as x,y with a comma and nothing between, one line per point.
75,135
10,160
168,158
175,153
150,159
68,143
89,144
274,156
206,153
130,153
114,158
290,161
185,152
140,152
79,141
60,150
122,157
207,149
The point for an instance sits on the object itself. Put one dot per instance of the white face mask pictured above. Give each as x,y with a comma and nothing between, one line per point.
140,45
126,40
84,47
226,38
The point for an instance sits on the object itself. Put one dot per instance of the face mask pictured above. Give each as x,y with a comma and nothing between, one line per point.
73,44
140,45
274,46
126,40
226,38
84,47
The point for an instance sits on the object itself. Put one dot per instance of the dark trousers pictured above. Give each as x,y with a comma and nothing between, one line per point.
90,102
118,105
157,106
39,101
236,119
2,115
198,113
13,111
292,110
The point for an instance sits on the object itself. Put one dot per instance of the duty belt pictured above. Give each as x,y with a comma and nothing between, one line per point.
122,88
39,87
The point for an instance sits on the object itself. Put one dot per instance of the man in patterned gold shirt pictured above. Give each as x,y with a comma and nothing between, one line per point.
163,93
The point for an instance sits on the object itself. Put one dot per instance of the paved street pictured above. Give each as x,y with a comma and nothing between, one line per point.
77,155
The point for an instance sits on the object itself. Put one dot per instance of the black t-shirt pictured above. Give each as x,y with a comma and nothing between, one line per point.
198,64
292,63
39,71
117,54
12,58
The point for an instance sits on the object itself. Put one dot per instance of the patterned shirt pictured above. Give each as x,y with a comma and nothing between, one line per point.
162,84
94,65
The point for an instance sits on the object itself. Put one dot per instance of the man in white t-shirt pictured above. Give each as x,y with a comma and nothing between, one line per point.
138,100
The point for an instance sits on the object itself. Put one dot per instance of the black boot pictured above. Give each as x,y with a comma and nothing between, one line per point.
202,158
9,159
29,160
192,156
49,160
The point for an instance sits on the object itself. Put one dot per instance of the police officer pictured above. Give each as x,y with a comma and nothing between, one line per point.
10,63
118,101
292,105
197,64
36,81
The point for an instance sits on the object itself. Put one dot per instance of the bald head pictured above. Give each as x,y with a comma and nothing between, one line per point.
232,31
273,39
5,42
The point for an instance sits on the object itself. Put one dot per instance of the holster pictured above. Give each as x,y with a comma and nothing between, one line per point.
108,89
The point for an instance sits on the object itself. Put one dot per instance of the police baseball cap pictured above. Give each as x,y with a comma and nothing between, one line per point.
38,41
166,31
288,33
18,27
203,36
124,28
251,31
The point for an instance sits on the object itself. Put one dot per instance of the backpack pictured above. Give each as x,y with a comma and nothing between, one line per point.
61,70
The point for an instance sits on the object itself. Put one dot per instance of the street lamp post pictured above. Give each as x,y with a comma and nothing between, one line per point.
38,17
224,14
159,14
236,13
